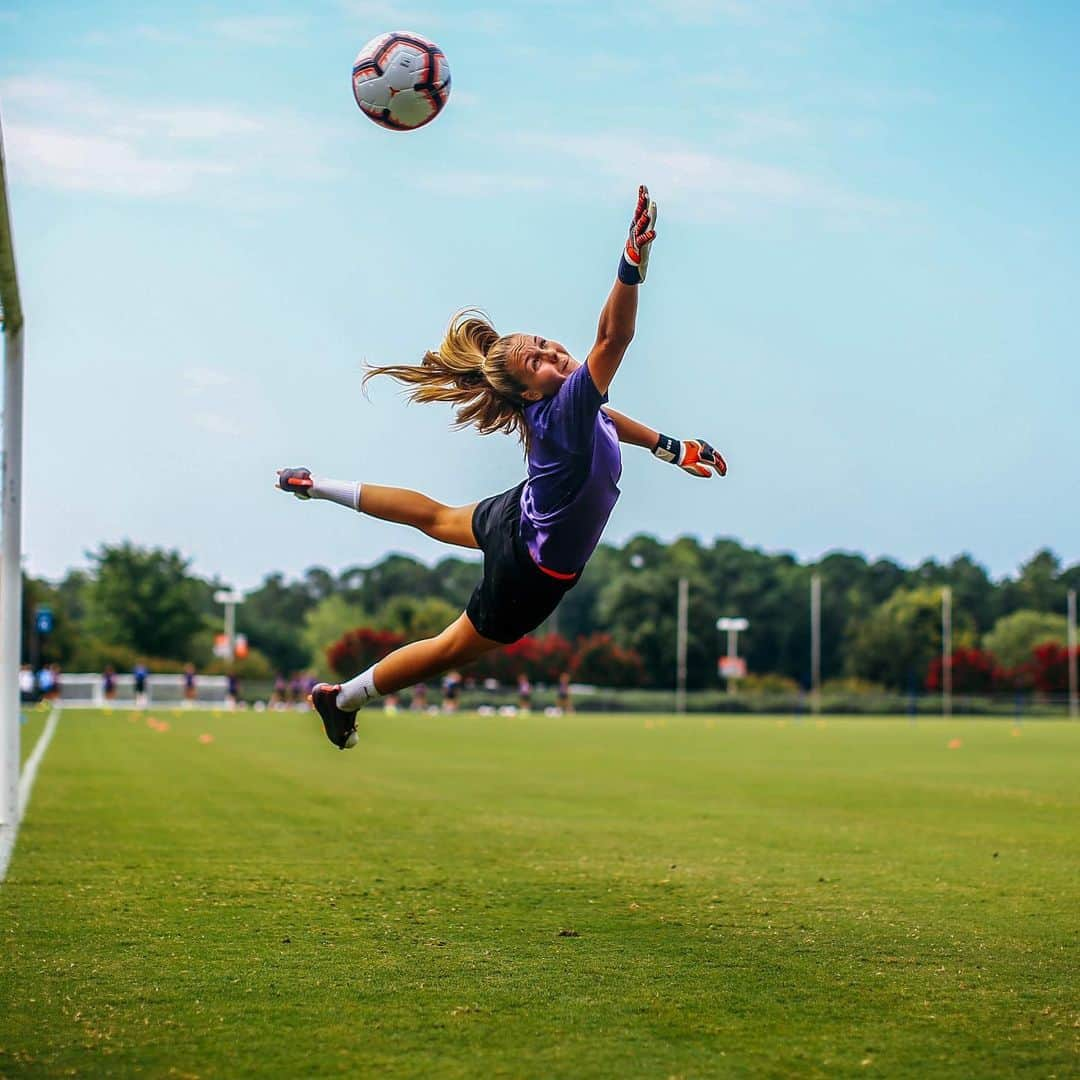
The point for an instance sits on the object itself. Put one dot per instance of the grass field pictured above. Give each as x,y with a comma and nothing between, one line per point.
607,896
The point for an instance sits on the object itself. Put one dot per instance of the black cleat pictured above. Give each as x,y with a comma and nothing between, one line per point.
339,725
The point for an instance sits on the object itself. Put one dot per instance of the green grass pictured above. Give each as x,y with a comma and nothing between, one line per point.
604,896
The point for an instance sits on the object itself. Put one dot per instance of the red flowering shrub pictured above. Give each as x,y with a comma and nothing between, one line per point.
1050,668
973,672
358,649
543,659
598,660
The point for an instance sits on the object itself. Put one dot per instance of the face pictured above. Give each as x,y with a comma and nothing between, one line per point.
541,365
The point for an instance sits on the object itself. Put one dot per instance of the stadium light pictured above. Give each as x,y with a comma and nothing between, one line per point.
11,316
230,598
730,665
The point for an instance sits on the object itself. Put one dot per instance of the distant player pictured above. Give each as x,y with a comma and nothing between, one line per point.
451,687
138,676
524,693
191,690
536,537
562,697
108,683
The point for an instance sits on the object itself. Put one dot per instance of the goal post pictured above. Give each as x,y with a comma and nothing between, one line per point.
11,317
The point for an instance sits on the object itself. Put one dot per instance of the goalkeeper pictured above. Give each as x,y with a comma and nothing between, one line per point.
537,537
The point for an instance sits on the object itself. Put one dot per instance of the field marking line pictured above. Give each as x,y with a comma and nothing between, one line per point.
26,785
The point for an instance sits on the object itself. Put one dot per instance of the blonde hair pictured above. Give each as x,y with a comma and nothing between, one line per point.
470,369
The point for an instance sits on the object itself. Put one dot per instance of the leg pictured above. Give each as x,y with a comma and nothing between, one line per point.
457,644
450,524
419,660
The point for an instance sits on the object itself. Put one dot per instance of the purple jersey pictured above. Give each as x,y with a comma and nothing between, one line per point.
574,470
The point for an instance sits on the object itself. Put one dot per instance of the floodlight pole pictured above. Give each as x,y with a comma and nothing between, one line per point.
815,643
11,517
1074,706
946,651
680,646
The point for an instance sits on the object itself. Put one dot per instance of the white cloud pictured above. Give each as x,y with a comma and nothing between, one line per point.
68,135
216,424
200,379
71,162
702,182
383,16
259,29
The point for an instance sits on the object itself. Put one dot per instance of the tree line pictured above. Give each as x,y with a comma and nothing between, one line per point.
881,621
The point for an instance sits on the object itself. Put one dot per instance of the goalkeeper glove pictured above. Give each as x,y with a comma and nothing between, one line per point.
635,257
694,456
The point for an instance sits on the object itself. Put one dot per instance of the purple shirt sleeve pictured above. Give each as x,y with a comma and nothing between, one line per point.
568,418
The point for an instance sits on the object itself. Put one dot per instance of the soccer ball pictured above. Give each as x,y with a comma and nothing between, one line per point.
401,80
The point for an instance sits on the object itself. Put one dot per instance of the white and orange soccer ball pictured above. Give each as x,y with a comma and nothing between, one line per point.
401,80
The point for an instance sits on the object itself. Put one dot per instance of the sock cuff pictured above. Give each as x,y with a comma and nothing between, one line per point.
342,492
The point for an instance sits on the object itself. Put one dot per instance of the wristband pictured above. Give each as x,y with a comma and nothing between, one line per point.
629,274
668,449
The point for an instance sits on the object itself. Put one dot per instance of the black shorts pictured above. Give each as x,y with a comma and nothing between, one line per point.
515,595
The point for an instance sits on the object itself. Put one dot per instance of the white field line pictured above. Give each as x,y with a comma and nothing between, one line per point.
26,784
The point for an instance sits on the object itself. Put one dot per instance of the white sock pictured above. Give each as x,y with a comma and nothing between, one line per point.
342,492
357,692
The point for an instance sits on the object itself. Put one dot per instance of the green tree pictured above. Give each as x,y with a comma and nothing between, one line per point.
415,617
895,645
144,599
1014,637
272,616
328,622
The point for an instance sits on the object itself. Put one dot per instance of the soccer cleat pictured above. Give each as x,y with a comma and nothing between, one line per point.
296,481
339,725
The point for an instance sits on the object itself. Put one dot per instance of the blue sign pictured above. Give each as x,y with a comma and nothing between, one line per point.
43,620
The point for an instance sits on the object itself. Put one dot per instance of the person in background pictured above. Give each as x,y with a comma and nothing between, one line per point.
562,698
451,687
44,682
296,689
419,698
232,690
139,676
57,684
277,698
27,685
108,683
524,693
191,691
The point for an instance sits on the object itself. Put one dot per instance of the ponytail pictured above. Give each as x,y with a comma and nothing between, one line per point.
469,370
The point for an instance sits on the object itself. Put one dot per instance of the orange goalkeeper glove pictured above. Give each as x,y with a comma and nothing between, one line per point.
694,456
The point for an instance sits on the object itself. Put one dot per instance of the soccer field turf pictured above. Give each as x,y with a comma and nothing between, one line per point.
603,896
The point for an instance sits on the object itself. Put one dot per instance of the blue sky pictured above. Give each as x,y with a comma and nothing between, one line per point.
864,290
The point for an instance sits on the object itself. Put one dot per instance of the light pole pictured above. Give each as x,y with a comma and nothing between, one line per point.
680,646
1071,658
230,600
815,643
946,651
730,665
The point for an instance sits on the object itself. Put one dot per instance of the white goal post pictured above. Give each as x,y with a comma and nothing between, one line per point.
10,515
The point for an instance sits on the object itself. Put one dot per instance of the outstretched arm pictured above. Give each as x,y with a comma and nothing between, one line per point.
632,432
694,456
619,316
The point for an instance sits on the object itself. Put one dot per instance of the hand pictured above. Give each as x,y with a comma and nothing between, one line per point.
297,481
635,259
694,456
